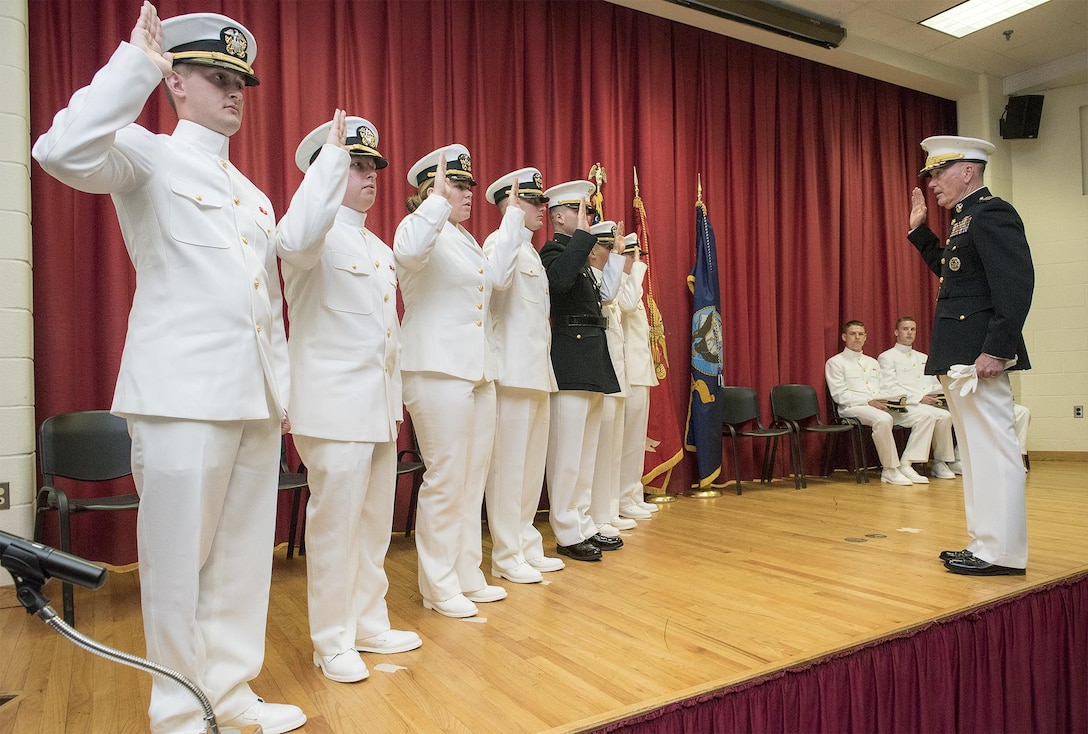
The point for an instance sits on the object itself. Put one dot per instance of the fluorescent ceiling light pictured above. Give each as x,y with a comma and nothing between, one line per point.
973,15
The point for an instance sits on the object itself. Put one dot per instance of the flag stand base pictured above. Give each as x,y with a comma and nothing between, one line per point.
661,499
705,493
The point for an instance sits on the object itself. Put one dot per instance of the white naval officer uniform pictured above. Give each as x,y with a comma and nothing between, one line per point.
340,282
616,297
903,372
641,376
203,380
853,378
521,352
449,390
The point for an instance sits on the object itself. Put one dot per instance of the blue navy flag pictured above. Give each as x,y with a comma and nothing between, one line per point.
704,432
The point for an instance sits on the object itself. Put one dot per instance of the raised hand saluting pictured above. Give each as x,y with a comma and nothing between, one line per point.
147,36
338,131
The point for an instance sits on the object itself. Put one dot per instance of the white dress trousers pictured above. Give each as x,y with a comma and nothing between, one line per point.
993,472
516,478
454,420
521,349
572,450
205,532
348,520
605,494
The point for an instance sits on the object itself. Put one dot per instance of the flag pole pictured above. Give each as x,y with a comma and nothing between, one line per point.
660,356
704,412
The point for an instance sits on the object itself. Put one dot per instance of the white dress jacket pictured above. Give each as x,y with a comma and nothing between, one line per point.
341,287
520,308
636,334
207,313
446,282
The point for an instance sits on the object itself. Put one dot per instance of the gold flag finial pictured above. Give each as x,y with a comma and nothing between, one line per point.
597,174
699,190
635,169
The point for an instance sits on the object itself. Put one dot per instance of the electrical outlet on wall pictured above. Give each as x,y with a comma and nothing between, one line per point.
5,495
1078,411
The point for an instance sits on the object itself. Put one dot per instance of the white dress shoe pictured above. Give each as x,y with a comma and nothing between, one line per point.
486,594
892,476
456,606
941,470
521,574
956,467
389,642
274,718
648,506
608,530
633,512
623,523
547,563
908,471
342,667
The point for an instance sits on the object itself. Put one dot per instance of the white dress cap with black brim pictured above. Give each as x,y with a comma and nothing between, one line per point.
569,193
210,39
530,186
362,140
458,166
944,150
630,244
605,232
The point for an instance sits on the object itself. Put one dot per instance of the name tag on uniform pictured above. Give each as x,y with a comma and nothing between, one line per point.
961,226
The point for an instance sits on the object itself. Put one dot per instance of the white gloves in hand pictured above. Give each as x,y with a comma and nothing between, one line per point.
962,377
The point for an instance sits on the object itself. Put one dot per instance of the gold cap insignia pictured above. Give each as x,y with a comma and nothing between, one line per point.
234,41
466,162
367,136
538,181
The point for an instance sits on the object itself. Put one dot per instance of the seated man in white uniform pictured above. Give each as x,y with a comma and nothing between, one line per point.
903,372
853,379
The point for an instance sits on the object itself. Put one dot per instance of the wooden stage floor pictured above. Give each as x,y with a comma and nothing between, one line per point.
709,593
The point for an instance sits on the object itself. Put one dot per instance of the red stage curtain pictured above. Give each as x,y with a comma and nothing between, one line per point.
1018,665
806,169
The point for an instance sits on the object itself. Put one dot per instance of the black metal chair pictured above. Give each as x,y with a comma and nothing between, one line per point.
297,483
85,446
410,462
740,408
798,406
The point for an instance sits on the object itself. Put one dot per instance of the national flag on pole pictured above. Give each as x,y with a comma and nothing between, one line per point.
664,448
704,433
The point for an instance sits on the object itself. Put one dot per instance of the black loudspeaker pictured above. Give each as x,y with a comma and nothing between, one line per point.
1021,118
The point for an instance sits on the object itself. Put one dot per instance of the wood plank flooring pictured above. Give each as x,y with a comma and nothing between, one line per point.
708,593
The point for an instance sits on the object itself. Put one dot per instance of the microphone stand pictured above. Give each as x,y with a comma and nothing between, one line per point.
29,577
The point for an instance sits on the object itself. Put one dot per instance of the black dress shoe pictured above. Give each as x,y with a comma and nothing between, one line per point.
956,555
584,551
605,543
977,567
